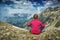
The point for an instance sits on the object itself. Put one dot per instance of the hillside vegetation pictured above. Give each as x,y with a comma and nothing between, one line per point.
8,32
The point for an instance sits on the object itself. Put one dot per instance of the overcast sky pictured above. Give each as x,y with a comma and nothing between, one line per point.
26,6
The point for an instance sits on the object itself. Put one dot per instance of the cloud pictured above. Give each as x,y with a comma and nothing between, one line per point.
51,3
25,7
29,7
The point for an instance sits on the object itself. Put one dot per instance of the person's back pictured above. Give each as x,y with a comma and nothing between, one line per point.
35,24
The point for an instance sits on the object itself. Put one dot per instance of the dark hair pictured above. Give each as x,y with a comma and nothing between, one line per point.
35,16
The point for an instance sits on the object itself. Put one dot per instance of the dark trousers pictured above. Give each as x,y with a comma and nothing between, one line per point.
41,28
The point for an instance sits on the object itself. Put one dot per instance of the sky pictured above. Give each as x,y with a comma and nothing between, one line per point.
25,6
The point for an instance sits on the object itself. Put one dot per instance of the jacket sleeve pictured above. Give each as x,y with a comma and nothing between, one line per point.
29,23
42,24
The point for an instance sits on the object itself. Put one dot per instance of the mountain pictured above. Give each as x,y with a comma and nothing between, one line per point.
50,32
50,15
10,32
16,19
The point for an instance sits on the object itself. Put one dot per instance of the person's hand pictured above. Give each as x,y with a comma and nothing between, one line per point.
46,23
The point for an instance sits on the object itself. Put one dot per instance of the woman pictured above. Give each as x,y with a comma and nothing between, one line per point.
36,25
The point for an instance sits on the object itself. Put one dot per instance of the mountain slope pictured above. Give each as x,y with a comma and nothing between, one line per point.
50,15
9,32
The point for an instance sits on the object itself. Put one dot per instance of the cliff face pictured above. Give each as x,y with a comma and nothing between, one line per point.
50,15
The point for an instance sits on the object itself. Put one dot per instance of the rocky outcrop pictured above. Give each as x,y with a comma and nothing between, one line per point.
50,15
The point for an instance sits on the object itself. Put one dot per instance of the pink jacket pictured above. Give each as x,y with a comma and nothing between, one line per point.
36,24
